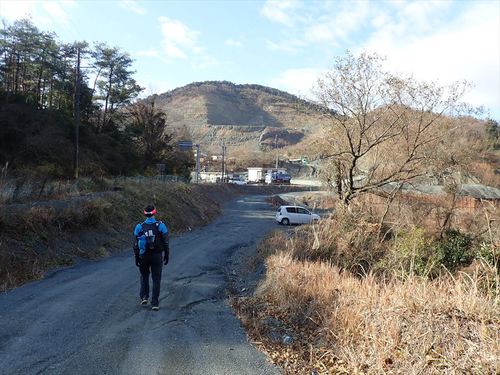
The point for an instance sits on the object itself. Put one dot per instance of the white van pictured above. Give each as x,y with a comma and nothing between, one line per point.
287,215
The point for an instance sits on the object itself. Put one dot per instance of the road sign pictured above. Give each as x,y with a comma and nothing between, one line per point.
185,145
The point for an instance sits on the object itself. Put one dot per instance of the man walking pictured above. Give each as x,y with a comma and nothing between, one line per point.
151,240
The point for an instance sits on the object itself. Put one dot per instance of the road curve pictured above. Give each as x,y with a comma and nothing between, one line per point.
87,320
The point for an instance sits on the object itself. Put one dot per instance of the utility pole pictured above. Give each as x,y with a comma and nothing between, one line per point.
77,113
197,162
276,147
223,160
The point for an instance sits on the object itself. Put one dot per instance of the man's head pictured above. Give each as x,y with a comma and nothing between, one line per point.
149,210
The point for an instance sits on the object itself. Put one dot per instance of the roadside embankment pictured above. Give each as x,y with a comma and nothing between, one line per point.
40,236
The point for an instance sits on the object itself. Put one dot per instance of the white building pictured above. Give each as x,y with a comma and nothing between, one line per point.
210,177
256,174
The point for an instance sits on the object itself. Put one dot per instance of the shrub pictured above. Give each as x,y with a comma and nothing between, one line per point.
489,253
415,253
410,255
454,250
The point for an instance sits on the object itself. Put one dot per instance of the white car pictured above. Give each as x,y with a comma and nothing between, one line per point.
237,182
287,215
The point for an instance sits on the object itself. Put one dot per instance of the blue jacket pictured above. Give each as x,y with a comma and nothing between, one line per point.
160,230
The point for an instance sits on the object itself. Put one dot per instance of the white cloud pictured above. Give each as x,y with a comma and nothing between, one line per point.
55,10
442,41
337,26
133,6
12,10
178,39
181,43
42,13
297,81
466,48
281,11
421,14
233,43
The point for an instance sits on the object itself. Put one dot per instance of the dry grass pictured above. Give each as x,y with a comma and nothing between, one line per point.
353,298
348,239
345,324
485,170
35,239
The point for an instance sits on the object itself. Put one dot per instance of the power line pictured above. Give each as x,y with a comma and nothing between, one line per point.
276,147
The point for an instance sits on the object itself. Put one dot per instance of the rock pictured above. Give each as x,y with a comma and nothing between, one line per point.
287,340
275,337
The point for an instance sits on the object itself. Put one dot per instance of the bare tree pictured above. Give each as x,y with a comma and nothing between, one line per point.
382,127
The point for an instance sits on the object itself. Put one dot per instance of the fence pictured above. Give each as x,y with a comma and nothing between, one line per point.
29,188
147,179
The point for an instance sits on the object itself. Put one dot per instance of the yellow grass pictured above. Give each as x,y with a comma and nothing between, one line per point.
362,325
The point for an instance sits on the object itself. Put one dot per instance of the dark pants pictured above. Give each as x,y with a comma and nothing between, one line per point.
151,263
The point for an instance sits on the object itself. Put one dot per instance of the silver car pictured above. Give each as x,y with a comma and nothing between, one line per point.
287,215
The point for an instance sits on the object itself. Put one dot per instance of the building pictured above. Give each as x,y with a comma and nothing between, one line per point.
256,174
210,177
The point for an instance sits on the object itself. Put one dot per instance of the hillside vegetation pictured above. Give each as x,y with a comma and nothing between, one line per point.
244,115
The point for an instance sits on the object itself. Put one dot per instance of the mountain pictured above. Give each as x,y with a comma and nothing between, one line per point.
250,117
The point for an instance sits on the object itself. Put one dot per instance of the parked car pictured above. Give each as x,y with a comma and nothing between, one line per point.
287,215
237,182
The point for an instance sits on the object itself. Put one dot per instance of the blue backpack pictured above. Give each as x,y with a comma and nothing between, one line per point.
148,237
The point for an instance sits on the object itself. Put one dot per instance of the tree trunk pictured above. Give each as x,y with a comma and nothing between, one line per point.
449,214
39,94
107,97
51,88
16,79
388,203
338,179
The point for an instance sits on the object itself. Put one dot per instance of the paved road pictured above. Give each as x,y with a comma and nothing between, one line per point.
87,319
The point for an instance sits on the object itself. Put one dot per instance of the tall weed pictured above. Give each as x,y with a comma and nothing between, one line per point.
346,324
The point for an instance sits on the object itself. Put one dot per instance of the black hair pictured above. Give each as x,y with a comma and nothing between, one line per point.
148,210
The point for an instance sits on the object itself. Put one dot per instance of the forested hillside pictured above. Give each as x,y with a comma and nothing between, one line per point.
56,96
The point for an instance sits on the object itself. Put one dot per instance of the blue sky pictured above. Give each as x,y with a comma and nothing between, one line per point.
284,44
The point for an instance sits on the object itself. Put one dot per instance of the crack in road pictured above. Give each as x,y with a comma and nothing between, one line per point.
190,277
197,302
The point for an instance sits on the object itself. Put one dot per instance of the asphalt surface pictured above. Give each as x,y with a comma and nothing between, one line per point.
87,319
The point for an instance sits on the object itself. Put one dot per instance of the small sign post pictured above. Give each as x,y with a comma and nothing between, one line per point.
185,145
